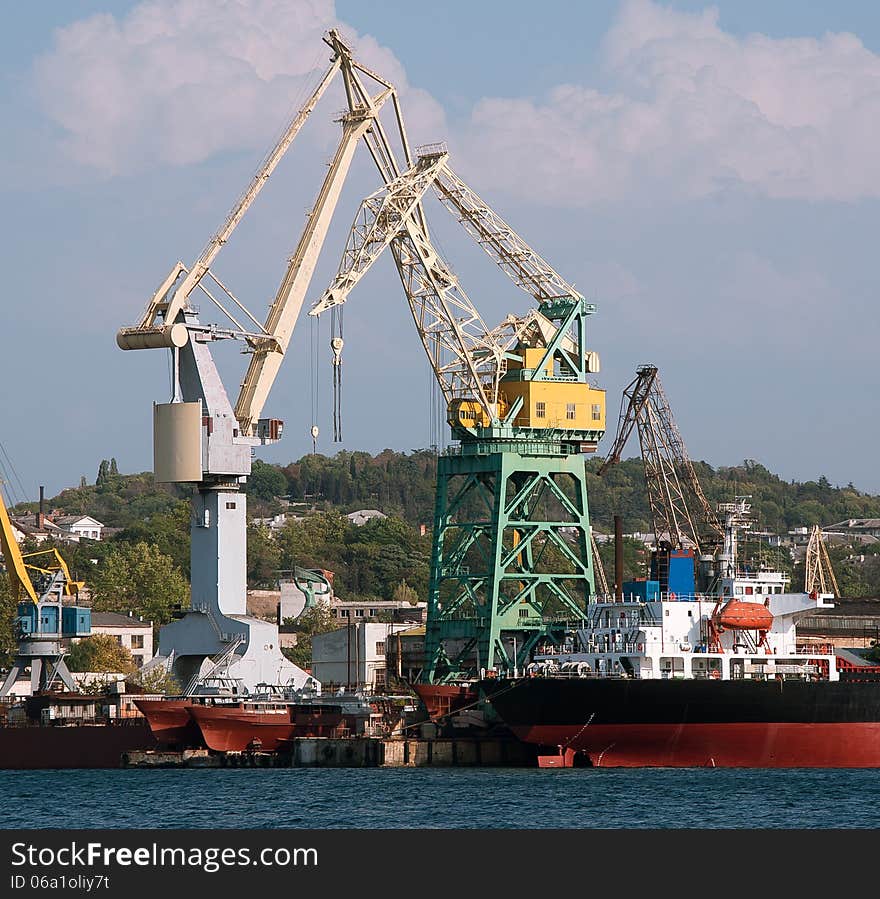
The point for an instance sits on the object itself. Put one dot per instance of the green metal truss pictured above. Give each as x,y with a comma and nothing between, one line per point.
511,560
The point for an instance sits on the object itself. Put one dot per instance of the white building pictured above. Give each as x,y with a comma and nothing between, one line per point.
80,526
362,516
133,633
353,655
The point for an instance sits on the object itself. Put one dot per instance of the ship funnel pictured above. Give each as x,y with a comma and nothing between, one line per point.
705,572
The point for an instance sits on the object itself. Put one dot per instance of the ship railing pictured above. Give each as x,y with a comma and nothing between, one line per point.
577,675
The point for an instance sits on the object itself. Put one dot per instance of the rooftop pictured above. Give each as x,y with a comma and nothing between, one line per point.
117,619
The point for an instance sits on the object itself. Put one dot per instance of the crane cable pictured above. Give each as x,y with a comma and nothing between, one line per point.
336,344
7,469
314,337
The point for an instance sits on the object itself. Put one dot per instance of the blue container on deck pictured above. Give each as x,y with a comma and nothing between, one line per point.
76,621
681,573
641,591
27,617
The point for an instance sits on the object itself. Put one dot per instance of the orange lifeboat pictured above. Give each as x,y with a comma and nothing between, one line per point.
751,616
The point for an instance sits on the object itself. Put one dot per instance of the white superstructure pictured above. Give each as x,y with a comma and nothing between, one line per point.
743,627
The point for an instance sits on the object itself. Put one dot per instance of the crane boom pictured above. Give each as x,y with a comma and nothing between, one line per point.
162,311
15,564
668,468
525,267
466,361
469,360
269,352
818,573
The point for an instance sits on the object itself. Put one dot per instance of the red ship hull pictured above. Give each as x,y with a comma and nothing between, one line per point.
441,700
735,745
239,729
169,721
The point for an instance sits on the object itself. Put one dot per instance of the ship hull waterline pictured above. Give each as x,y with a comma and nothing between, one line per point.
694,724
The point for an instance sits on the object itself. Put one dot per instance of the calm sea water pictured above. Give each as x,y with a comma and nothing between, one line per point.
441,798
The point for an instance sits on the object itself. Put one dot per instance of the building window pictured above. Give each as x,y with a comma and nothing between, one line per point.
523,613
569,411
380,677
371,612
540,410
230,505
343,613
119,639
380,648
137,641
358,613
597,412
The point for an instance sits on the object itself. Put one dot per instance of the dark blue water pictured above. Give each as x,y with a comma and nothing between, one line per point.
441,798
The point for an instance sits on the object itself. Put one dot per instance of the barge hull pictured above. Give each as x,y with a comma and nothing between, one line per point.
80,746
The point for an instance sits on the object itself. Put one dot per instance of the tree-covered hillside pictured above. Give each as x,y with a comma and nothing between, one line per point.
143,566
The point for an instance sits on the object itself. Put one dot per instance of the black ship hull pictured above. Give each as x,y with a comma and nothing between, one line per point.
686,723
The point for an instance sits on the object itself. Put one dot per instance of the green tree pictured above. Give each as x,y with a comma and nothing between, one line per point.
168,530
314,620
139,578
263,557
100,652
8,614
266,481
404,593
156,680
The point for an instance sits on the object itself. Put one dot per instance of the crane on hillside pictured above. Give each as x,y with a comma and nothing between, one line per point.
200,437
669,473
519,401
819,576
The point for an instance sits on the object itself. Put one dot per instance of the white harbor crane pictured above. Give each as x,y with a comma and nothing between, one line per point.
200,437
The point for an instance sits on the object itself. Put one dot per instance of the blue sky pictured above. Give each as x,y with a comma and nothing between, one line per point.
708,175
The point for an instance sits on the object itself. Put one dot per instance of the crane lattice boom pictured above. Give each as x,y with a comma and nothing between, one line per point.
669,472
819,575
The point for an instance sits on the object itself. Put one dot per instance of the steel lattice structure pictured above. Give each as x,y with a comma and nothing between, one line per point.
819,575
669,473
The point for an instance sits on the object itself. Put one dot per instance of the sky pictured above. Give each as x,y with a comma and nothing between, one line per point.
706,174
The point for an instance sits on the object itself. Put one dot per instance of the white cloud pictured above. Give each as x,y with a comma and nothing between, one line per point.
177,81
692,110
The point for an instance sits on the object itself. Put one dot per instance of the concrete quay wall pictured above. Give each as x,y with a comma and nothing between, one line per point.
325,752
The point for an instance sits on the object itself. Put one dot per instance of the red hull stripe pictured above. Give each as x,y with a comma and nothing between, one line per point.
752,745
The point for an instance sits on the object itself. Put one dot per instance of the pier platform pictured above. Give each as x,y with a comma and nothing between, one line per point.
361,752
